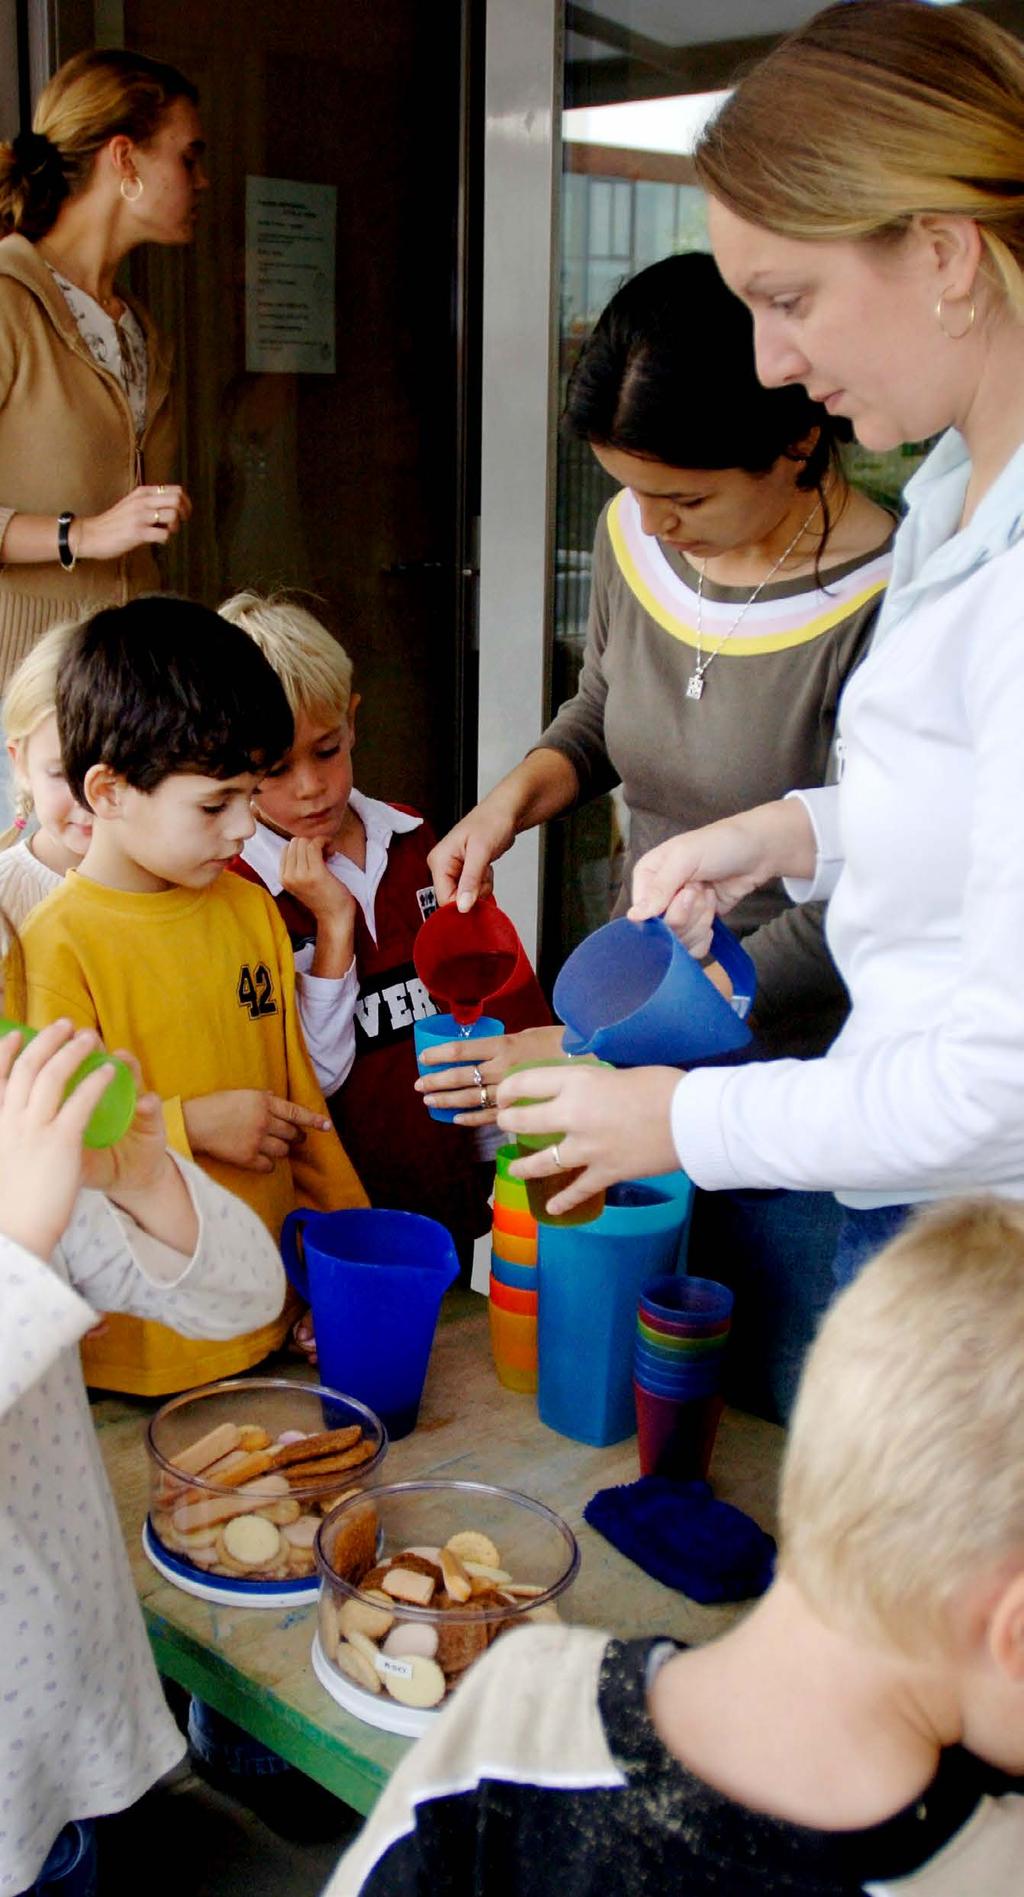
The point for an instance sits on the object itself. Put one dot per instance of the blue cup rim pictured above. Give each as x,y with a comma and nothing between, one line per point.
719,1300
704,1373
645,1371
641,1389
525,1278
651,1387
486,1026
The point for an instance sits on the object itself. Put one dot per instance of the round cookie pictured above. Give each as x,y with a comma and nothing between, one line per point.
252,1541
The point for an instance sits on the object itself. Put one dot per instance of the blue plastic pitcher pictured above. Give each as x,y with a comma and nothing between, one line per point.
375,1281
633,995
589,1279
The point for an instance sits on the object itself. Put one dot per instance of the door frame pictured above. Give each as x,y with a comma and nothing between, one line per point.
522,181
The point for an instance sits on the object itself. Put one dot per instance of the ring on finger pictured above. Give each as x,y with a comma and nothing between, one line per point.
161,488
484,1102
157,518
557,1157
478,1079
488,1100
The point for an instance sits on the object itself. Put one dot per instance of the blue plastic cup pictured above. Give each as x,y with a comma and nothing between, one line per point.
444,1027
678,1186
704,1374
684,1298
632,994
685,1386
375,1281
517,1277
589,1279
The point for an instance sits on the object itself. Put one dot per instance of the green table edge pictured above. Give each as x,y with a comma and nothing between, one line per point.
323,1757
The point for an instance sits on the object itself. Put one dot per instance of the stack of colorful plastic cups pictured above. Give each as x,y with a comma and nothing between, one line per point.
513,1300
682,1330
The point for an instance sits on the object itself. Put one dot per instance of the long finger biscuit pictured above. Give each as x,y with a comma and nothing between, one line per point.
199,1455
299,1472
213,1508
251,1465
329,1443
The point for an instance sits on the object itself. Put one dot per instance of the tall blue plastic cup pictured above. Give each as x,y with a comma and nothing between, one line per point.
444,1027
632,994
375,1281
589,1279
678,1186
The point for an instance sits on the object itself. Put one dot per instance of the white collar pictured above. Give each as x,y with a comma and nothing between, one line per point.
381,821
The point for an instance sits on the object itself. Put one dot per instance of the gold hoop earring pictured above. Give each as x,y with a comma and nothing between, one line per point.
955,335
131,197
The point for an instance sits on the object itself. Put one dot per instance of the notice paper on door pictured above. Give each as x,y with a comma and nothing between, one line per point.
290,232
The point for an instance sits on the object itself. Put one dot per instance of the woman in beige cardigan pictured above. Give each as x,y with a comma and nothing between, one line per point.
87,432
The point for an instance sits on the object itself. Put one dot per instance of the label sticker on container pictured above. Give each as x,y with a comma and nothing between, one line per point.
399,1669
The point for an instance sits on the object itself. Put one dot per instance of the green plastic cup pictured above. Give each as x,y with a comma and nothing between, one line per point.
539,1191
114,1110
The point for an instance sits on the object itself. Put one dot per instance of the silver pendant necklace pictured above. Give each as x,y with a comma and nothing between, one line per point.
695,682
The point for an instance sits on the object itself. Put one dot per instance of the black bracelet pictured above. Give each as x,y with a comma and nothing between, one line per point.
64,553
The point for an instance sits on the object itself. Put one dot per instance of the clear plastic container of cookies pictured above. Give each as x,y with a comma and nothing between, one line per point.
418,1579
241,1477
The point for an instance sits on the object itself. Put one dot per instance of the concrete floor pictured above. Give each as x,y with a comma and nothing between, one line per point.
186,1839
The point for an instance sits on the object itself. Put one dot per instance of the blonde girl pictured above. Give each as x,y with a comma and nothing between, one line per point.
31,866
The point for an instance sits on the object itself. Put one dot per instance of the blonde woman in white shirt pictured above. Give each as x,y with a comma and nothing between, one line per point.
882,258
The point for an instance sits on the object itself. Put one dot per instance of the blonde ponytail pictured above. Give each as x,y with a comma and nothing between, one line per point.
871,114
93,98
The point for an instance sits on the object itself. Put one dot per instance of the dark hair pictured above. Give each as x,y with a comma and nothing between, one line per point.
90,99
162,685
668,374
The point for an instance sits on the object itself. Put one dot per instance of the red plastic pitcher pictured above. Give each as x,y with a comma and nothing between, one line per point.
463,960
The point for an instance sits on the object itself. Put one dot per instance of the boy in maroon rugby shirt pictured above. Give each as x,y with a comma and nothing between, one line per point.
350,876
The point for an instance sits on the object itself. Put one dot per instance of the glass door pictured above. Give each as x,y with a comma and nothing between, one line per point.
345,476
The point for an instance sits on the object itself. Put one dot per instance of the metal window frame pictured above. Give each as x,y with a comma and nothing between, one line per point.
522,174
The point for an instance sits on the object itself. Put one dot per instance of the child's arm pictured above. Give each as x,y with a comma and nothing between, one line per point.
42,1161
139,1262
328,988
64,994
230,1280
323,1174
247,1126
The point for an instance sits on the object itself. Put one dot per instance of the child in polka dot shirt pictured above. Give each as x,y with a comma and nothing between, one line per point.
84,1728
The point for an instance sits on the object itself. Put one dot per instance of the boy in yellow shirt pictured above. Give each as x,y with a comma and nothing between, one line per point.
167,716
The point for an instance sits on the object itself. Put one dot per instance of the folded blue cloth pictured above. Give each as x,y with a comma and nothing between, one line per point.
678,1532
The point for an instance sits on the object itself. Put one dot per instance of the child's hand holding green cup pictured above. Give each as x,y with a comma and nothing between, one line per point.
115,1110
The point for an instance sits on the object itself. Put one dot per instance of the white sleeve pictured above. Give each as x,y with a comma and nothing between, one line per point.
233,1282
327,1011
938,1108
42,1317
822,807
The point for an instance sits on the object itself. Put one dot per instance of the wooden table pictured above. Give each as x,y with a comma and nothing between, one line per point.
254,1665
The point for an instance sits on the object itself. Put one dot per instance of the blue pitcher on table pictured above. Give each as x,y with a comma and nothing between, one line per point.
374,1280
